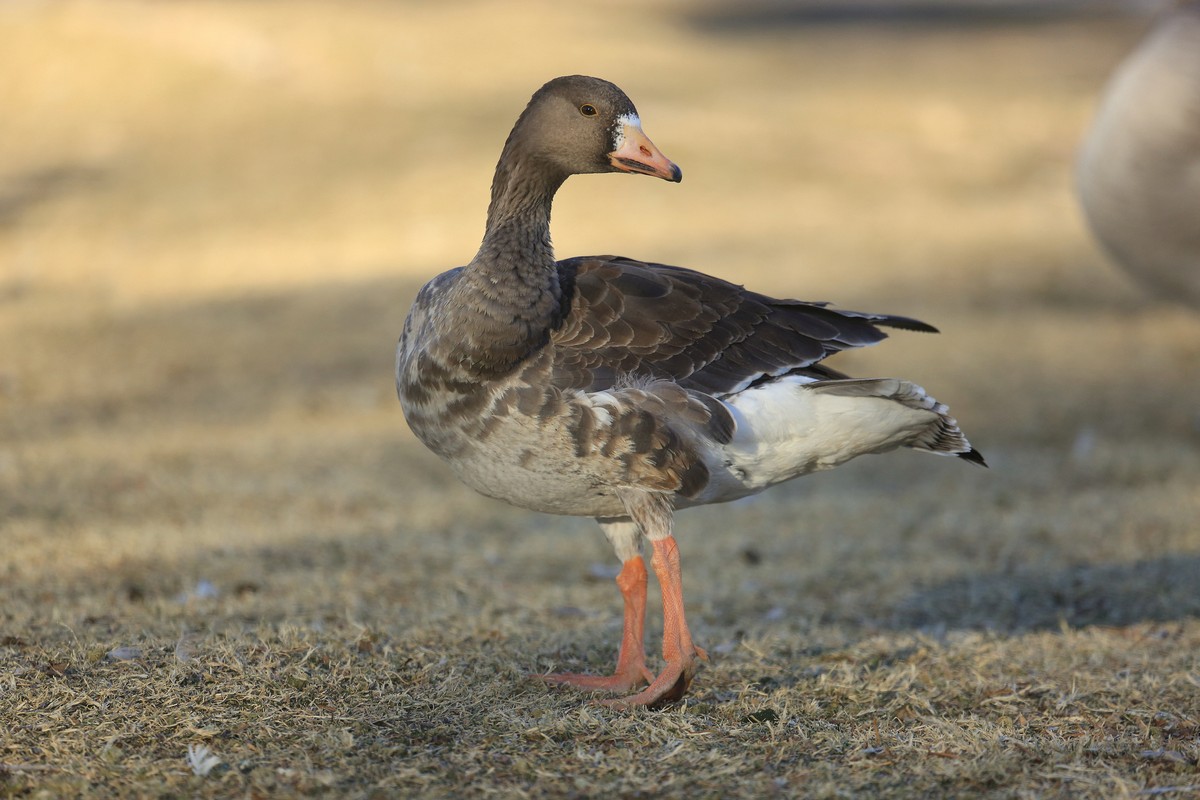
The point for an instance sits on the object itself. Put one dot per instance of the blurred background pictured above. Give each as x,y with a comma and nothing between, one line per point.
214,215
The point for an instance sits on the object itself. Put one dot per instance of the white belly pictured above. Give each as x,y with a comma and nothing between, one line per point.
539,472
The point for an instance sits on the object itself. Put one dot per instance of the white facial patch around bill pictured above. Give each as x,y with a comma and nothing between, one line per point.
624,121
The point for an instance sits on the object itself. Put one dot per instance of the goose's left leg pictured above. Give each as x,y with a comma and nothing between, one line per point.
653,513
631,671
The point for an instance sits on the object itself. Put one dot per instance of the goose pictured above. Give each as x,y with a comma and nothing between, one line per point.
625,390
1138,172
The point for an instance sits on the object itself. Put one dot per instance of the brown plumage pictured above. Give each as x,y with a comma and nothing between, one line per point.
620,389
634,318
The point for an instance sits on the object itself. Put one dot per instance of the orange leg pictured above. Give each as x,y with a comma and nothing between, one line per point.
680,653
631,660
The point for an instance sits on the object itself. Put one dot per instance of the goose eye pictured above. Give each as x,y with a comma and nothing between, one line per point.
588,110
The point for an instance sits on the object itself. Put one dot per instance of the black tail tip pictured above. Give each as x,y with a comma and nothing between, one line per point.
974,456
907,324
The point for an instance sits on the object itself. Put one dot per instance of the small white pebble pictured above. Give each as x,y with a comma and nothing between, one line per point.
201,759
123,653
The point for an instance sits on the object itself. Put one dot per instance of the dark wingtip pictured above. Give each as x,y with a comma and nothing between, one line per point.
974,456
908,324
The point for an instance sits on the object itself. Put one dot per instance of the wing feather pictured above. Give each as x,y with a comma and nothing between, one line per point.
625,318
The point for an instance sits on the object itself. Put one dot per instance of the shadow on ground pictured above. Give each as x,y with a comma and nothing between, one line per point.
1152,590
22,193
224,361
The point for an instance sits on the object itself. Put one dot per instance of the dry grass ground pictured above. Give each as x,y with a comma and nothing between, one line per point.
217,530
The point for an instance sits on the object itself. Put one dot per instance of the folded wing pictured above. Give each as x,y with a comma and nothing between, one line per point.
626,319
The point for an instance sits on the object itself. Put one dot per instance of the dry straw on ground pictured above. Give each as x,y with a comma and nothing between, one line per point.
228,570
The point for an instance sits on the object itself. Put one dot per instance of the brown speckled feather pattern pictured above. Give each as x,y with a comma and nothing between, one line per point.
533,440
623,387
